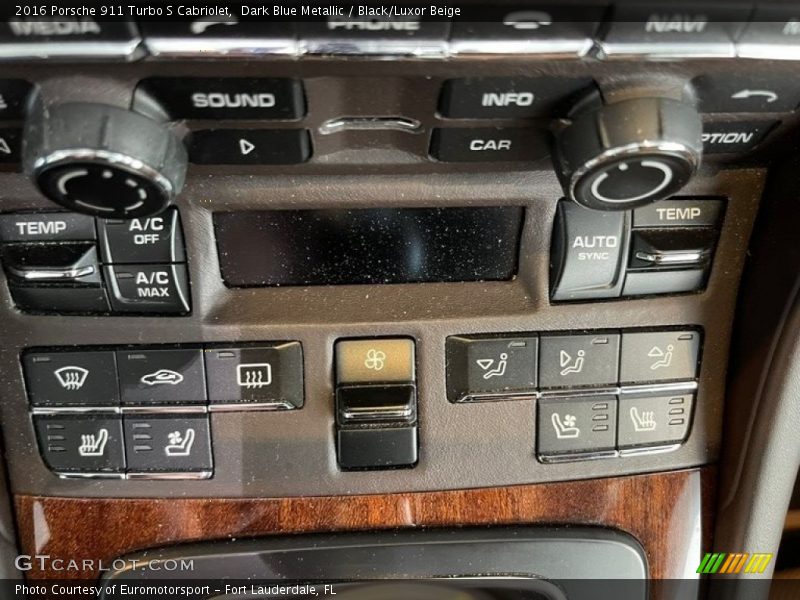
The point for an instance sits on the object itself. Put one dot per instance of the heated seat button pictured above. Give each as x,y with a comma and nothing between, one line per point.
80,444
162,376
489,368
735,136
387,360
168,444
576,425
270,376
578,360
653,421
505,98
588,246
46,227
225,97
157,239
249,146
659,356
71,378
489,144
149,288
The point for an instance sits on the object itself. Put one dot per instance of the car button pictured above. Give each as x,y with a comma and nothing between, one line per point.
162,376
13,93
519,29
685,212
46,227
71,378
168,444
149,288
735,136
156,239
577,425
675,29
225,97
588,247
249,146
485,144
578,360
773,32
659,356
409,36
10,145
218,36
732,93
389,360
81,444
78,37
270,376
505,98
489,368
653,421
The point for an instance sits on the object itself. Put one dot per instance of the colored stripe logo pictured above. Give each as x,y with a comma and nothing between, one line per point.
733,563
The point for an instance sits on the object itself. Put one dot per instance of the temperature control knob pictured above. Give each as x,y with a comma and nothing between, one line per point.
629,153
103,160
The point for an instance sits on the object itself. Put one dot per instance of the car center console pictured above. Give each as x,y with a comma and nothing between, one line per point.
341,257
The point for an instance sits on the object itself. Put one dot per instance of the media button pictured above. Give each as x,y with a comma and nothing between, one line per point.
81,444
268,375
578,360
162,376
71,378
44,37
168,444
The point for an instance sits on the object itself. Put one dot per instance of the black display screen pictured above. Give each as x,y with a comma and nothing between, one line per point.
368,246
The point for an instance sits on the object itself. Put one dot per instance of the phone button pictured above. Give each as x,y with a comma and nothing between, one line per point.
577,425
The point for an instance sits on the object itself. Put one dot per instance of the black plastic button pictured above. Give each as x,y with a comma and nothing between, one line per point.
13,96
81,444
654,421
411,36
377,448
522,28
149,288
162,376
46,227
659,356
249,146
478,368
271,375
578,360
376,403
666,248
507,97
156,239
577,425
60,264
688,212
735,136
200,36
588,247
10,145
754,92
226,97
169,444
59,299
71,378
646,283
772,29
489,144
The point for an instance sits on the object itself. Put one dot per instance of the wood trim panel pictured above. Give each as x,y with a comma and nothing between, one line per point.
662,511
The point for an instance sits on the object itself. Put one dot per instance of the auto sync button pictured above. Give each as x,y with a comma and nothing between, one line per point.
490,368
46,227
269,376
659,356
503,98
577,425
156,239
489,144
225,97
168,444
162,376
735,136
81,444
578,360
588,246
149,288
653,421
71,378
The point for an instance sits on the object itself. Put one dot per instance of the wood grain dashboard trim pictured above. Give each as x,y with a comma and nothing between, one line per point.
664,511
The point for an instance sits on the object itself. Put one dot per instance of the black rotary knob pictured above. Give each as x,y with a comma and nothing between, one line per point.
629,153
103,160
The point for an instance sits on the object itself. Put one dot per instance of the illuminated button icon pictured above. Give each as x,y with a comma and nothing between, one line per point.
254,375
